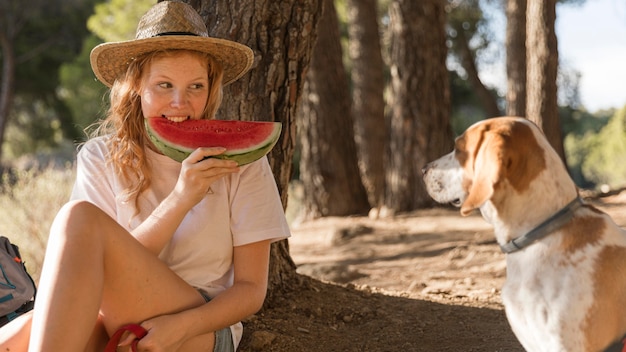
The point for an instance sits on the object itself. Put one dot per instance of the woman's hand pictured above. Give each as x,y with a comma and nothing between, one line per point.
164,334
199,171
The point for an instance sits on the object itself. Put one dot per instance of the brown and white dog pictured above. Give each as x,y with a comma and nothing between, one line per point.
566,261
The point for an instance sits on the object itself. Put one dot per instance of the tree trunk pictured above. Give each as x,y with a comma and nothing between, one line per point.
368,104
420,113
282,34
516,57
7,76
328,164
542,56
468,59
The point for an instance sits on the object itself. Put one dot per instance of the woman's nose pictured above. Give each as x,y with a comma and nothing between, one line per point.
179,98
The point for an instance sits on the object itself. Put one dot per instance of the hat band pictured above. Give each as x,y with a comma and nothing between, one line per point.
175,33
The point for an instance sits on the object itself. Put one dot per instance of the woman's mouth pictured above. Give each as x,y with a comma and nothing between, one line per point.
176,118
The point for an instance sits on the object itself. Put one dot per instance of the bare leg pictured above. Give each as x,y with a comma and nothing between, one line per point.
99,338
14,335
94,264
70,287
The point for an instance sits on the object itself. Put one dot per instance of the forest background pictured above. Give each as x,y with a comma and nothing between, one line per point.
344,150
49,97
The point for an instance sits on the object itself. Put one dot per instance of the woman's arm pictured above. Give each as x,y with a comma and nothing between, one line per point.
244,298
196,176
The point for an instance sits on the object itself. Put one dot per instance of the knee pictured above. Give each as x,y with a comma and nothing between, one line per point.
78,216
80,209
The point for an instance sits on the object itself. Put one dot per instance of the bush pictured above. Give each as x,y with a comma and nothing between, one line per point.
605,162
29,200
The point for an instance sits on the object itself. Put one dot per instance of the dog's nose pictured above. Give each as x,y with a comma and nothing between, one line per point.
425,168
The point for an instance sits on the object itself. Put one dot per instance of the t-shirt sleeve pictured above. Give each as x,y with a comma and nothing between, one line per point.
257,211
92,183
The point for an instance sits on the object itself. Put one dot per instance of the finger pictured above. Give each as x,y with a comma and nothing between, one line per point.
203,153
127,340
134,332
210,151
218,166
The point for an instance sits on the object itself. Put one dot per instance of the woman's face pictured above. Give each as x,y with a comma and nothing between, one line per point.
175,87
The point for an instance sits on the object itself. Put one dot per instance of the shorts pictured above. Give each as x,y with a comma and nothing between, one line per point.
223,337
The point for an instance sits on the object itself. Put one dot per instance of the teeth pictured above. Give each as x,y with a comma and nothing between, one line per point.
177,118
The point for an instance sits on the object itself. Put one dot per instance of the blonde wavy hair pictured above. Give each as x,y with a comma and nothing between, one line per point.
124,121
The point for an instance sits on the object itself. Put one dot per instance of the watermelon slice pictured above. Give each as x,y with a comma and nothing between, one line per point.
245,141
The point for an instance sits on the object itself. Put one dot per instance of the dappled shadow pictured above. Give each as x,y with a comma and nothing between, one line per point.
414,254
327,317
425,281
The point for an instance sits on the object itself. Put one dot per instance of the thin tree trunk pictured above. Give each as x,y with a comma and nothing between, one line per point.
368,104
486,97
516,57
542,56
420,114
328,164
282,34
7,79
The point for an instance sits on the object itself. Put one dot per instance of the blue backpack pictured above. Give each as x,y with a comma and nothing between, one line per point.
17,288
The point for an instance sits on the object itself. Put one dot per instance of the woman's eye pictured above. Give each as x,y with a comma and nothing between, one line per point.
197,86
164,85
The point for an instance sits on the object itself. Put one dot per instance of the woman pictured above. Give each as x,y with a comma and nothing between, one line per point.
180,248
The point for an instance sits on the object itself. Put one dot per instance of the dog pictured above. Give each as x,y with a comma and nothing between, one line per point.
565,288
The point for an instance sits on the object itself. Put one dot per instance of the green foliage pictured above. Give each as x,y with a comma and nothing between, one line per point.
29,201
606,160
84,95
33,127
466,109
57,95
50,34
580,122
80,90
469,21
116,20
597,156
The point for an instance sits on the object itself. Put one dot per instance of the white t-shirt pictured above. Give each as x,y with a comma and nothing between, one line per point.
243,208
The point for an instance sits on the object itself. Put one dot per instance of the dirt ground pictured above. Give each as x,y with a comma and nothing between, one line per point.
424,281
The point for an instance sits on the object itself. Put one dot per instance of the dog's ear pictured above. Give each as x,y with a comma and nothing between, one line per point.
524,156
498,152
486,170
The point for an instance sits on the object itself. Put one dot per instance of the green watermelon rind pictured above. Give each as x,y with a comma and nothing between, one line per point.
241,156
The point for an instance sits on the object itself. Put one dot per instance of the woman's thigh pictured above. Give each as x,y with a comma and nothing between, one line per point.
137,285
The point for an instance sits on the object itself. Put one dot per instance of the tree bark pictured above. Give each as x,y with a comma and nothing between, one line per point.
542,56
7,83
328,164
368,104
282,34
8,30
420,113
516,57
468,58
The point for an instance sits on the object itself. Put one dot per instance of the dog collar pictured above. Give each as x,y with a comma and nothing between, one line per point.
557,220
619,346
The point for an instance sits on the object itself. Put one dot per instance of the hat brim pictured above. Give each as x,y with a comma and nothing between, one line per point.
110,60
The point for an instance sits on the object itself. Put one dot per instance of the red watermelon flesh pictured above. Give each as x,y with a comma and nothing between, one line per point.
245,141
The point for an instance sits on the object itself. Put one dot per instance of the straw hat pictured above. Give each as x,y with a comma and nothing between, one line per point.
169,25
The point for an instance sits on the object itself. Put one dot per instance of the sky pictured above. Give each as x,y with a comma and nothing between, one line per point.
592,40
